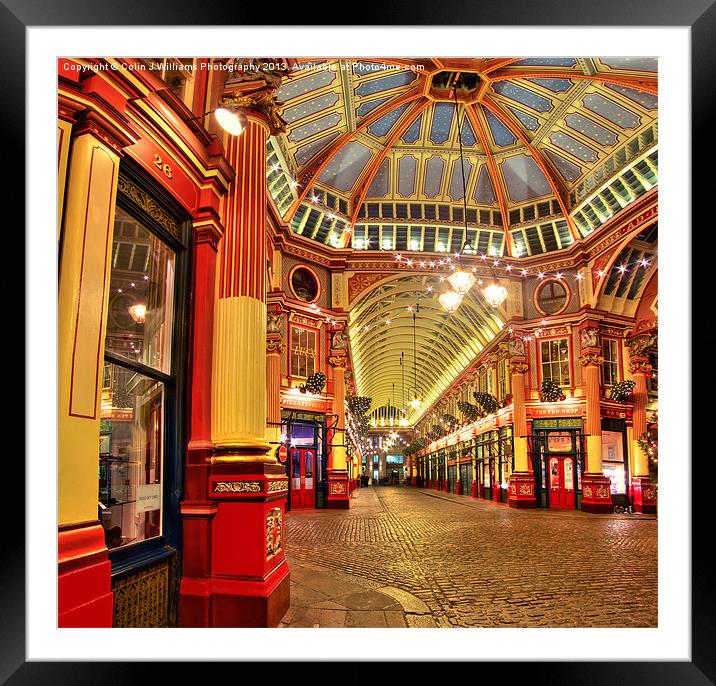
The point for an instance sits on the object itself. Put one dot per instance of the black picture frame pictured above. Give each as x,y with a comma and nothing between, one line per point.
700,15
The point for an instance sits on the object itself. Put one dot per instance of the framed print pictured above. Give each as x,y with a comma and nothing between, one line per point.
533,175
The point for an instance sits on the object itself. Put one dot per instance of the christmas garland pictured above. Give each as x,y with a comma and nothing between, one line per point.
359,404
450,421
469,411
649,443
622,391
550,392
486,401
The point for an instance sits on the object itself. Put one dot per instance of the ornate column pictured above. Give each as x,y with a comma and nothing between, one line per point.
596,491
247,583
84,571
274,350
522,483
338,490
642,489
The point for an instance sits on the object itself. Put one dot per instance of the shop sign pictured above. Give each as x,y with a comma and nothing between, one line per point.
537,411
561,423
149,497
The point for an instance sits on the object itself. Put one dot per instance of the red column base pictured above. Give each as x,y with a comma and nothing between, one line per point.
225,603
474,489
522,491
458,487
84,586
596,494
337,497
446,486
235,573
643,495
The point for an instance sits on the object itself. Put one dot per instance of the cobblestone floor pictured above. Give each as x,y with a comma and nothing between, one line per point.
415,557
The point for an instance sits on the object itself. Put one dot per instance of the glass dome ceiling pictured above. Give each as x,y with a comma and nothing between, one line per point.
553,148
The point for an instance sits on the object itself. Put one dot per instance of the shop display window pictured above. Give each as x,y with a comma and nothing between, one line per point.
613,460
140,314
130,460
138,371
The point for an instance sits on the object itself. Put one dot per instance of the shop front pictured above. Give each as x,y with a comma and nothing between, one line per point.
557,456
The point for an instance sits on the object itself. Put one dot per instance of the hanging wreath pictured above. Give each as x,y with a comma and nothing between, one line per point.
469,411
486,401
315,383
550,392
622,391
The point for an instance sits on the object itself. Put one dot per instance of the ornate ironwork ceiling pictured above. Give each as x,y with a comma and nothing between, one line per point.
370,158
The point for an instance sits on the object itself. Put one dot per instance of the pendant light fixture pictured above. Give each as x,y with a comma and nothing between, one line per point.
415,401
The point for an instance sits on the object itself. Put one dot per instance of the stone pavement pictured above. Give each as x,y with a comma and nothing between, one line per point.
419,558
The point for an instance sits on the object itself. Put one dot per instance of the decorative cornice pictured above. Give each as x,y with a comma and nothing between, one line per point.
145,202
275,346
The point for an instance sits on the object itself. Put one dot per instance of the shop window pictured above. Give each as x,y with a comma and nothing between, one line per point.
613,460
555,361
610,368
137,373
140,313
551,297
303,352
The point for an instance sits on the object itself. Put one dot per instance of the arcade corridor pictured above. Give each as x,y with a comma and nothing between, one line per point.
412,557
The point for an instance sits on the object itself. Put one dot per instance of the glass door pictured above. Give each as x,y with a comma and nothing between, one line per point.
303,489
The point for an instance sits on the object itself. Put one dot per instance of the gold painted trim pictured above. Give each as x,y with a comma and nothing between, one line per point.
146,203
237,487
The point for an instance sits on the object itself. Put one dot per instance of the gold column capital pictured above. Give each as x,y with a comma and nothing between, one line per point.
591,360
639,365
519,366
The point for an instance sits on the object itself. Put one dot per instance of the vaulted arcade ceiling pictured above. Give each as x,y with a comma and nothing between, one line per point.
370,158
553,149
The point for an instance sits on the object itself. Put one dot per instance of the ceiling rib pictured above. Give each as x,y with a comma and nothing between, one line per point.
398,129
557,186
318,164
646,85
492,168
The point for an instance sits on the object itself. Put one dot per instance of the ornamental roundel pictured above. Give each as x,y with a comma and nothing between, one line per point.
552,297
305,284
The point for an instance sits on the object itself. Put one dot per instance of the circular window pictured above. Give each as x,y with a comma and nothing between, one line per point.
552,297
304,284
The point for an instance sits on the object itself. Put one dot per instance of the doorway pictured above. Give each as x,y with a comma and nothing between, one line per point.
303,483
561,482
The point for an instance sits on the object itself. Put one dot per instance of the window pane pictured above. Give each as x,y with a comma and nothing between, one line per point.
131,457
141,297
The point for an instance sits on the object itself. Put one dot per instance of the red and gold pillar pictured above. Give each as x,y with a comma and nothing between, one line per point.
84,570
522,483
642,489
596,488
338,490
247,581
274,350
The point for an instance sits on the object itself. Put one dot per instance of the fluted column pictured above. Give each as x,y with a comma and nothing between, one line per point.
338,488
522,486
642,490
248,580
596,491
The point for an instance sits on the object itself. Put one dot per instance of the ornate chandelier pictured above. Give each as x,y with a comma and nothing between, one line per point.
450,300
